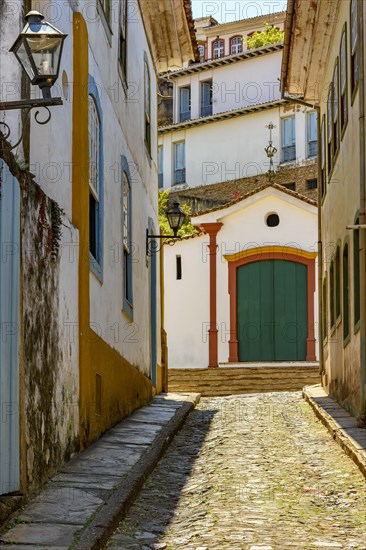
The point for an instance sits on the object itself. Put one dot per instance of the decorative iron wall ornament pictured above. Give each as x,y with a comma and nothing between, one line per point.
270,151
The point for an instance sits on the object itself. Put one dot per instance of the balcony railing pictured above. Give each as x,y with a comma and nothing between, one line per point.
206,110
312,148
186,115
288,153
179,176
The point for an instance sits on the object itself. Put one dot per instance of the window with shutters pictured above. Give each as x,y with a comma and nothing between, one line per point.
94,131
312,134
184,103
337,283
206,98
179,162
354,46
323,160
236,44
356,276
288,139
127,243
147,105
330,128
160,166
218,49
343,80
325,308
331,294
122,51
346,331
335,109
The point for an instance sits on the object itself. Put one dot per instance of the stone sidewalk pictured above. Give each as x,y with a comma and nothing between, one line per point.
83,504
342,426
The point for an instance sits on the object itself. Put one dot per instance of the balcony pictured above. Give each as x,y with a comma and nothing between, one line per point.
179,176
184,116
206,110
312,148
289,153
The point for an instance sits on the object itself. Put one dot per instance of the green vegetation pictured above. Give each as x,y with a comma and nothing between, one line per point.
186,229
271,35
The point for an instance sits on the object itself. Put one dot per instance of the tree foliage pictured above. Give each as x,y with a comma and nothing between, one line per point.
271,35
186,229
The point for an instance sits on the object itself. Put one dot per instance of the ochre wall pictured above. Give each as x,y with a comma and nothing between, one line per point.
124,388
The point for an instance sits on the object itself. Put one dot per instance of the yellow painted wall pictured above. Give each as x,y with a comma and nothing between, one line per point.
123,387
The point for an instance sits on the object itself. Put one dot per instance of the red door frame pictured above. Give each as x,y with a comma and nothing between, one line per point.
271,253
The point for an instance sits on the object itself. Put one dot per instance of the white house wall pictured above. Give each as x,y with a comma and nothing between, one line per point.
232,148
244,227
240,84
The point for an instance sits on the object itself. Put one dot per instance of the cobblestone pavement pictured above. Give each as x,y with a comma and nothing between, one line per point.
250,472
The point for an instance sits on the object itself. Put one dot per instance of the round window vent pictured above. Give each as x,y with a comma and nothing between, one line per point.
273,220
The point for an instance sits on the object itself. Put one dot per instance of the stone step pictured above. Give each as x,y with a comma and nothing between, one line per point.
253,379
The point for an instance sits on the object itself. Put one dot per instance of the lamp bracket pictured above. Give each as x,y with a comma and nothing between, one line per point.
26,105
152,247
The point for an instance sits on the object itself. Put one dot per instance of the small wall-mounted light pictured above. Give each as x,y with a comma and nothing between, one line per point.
38,49
176,218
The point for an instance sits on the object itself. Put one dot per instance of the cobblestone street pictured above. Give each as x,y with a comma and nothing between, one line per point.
250,472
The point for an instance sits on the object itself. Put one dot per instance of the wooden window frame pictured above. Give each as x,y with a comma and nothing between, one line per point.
127,245
323,157
217,40
335,111
231,44
94,180
330,129
325,308
356,278
337,283
147,106
175,169
332,318
308,116
345,294
354,51
123,34
343,90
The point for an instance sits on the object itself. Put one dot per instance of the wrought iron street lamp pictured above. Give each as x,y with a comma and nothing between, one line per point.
176,218
38,49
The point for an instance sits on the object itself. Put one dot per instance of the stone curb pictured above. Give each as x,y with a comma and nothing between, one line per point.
340,434
97,533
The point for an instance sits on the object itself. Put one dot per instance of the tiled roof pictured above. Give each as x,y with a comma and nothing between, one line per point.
257,190
216,196
225,114
267,16
192,30
227,60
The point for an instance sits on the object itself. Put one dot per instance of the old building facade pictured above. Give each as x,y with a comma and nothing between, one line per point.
83,317
333,56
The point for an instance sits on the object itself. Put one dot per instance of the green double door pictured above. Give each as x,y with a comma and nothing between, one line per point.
272,311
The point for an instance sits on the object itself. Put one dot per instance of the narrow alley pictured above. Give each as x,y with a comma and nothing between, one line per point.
250,472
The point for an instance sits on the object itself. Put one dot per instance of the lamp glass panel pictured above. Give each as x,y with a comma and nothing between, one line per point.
45,51
22,55
174,221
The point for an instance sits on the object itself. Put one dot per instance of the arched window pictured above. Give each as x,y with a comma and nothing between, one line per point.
343,79
345,293
218,49
331,294
127,243
338,283
325,308
354,46
356,274
147,101
94,130
236,44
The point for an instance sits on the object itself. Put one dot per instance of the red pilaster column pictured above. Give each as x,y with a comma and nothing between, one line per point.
212,229
310,342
